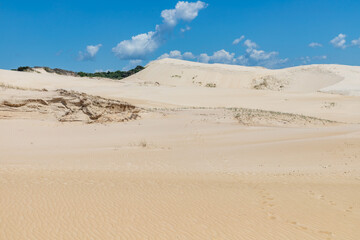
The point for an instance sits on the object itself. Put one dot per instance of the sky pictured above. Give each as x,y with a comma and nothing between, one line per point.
110,35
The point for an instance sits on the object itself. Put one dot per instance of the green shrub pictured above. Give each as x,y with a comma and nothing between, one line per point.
24,69
108,74
112,75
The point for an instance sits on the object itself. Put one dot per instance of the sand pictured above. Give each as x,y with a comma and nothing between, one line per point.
160,157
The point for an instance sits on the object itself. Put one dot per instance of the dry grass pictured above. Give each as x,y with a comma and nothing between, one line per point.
176,76
211,85
143,144
8,86
258,117
262,117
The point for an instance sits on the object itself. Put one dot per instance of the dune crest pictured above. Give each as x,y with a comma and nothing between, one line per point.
338,79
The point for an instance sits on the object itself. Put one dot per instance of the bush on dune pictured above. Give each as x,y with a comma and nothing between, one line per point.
112,75
24,69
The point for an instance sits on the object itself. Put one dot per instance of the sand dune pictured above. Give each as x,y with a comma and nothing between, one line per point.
338,79
326,78
159,86
181,150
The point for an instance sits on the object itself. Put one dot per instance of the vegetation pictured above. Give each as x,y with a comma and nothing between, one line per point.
59,71
143,144
24,69
211,85
112,75
177,76
108,74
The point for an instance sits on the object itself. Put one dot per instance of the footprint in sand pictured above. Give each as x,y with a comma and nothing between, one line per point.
299,226
327,233
267,204
271,216
302,227
349,209
322,197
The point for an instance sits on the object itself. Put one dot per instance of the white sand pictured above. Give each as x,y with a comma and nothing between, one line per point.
190,167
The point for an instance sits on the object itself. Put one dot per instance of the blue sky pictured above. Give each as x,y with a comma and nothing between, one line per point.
111,35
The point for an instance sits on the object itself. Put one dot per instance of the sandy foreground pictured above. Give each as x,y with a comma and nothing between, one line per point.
158,156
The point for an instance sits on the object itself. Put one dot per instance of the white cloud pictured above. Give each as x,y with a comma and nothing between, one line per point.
261,55
250,44
255,57
178,55
315,45
204,58
355,42
252,57
140,46
324,57
165,55
183,11
173,54
242,60
238,40
132,64
188,55
187,28
307,59
222,56
90,52
339,41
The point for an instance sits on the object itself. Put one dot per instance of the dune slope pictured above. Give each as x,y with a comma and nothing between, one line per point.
312,78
